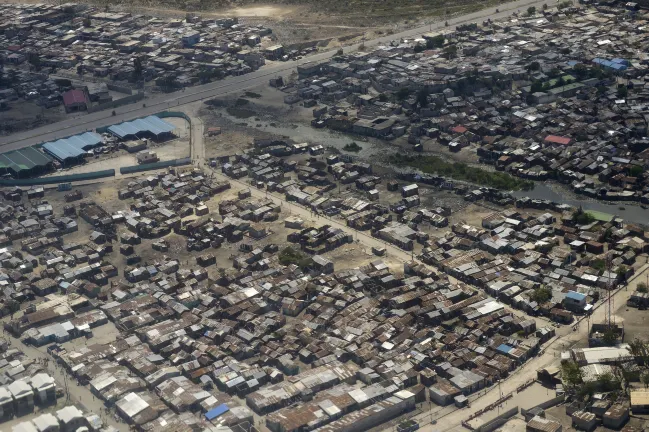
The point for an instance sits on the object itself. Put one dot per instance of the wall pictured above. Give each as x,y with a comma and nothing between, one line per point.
547,404
155,165
58,179
498,421
119,102
120,89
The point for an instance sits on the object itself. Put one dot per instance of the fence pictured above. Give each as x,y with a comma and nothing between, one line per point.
165,114
58,179
155,165
119,88
119,102
498,421
547,404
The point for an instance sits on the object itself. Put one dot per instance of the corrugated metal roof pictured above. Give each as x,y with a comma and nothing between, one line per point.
72,147
217,411
150,124
23,159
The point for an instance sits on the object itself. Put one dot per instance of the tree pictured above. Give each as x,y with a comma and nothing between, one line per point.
635,171
86,22
609,338
606,382
580,217
137,69
169,82
13,76
640,350
290,256
621,272
418,48
534,66
541,294
422,98
34,60
622,91
580,70
571,374
383,97
205,75
435,42
642,287
531,10
545,6
599,265
450,51
537,86
645,379
403,93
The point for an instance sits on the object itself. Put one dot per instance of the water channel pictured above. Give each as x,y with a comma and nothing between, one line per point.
632,212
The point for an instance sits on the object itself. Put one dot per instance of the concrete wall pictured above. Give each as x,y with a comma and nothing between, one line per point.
119,102
498,421
120,89
545,405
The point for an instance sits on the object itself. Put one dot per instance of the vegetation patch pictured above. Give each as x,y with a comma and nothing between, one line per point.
462,171
289,256
352,147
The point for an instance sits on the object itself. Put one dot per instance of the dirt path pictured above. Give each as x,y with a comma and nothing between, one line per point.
80,396
450,418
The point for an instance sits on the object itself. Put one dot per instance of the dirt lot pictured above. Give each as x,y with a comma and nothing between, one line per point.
311,22
635,321
23,115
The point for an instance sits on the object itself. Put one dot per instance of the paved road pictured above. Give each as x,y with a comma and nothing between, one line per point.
85,122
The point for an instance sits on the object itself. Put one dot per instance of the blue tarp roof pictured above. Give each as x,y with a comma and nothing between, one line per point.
215,412
150,124
73,146
504,348
575,295
617,65
621,61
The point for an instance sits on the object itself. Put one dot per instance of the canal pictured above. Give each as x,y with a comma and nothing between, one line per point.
632,212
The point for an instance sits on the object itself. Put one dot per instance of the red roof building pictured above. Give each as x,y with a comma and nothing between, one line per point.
75,100
459,129
554,139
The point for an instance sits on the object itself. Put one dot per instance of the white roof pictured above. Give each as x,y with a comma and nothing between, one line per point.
68,414
45,421
26,426
19,388
42,380
132,404
358,395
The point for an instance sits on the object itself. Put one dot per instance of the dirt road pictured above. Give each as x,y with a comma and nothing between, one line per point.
450,418
80,396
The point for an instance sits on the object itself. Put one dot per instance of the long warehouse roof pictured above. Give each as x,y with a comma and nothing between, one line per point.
23,159
73,146
151,124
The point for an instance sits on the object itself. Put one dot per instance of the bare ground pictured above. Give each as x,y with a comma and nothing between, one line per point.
24,115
